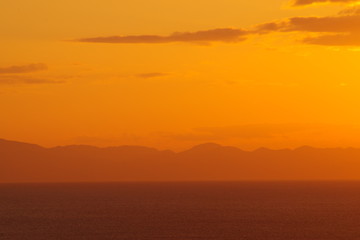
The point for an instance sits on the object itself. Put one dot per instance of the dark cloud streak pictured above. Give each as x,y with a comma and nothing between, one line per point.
151,75
23,68
213,35
15,80
339,30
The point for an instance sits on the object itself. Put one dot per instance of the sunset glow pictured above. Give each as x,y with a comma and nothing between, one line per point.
172,74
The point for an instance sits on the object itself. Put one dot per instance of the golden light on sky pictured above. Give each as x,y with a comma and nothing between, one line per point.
171,74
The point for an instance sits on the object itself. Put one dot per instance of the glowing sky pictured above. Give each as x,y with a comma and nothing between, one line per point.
171,74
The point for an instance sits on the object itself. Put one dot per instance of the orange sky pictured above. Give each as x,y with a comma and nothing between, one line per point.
171,74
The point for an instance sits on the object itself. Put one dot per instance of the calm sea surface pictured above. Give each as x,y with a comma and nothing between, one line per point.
181,211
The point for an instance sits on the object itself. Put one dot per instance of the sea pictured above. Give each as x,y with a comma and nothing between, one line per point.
181,211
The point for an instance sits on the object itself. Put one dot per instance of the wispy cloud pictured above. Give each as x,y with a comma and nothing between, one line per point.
249,131
310,2
23,68
208,36
352,40
339,30
252,130
151,75
14,80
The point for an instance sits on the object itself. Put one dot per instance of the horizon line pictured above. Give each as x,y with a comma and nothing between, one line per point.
260,148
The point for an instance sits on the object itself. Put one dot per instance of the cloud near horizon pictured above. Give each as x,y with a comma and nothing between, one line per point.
213,35
35,67
339,30
248,131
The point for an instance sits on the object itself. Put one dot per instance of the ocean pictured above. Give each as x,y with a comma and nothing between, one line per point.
181,211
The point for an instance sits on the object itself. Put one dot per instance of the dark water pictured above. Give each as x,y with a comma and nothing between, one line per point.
182,211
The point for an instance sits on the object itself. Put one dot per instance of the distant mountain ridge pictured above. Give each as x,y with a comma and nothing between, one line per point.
23,162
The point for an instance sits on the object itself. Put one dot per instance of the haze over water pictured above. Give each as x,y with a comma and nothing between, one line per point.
181,211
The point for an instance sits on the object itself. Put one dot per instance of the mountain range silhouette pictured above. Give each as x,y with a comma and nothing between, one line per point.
23,162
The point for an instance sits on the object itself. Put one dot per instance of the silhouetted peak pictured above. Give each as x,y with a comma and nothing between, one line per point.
206,146
9,145
208,161
305,148
213,148
263,149
168,152
75,147
132,147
